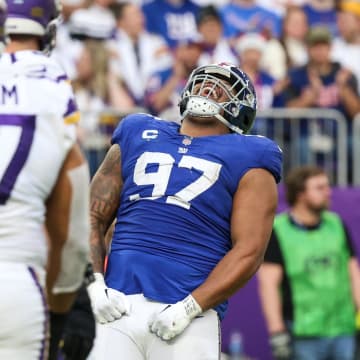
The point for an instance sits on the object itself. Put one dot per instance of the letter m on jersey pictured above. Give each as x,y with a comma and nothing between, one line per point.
8,95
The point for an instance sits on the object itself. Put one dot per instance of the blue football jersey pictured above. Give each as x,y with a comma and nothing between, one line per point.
173,223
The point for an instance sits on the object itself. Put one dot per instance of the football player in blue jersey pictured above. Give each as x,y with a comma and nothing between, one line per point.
194,206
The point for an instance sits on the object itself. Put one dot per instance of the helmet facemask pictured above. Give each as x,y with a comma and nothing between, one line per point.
49,39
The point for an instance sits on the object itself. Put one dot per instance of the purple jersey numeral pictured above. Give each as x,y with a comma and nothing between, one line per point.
27,124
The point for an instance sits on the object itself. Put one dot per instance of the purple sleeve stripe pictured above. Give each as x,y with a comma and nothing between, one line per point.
46,332
13,58
61,78
39,76
71,108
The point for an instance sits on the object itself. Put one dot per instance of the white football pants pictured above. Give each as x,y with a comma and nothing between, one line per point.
129,338
23,314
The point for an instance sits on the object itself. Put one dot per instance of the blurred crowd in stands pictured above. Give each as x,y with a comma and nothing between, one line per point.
125,56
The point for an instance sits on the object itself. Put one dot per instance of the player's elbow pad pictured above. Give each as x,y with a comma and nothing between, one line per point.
75,253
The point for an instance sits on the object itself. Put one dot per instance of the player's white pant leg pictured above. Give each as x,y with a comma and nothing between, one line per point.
130,338
123,338
199,341
23,314
112,343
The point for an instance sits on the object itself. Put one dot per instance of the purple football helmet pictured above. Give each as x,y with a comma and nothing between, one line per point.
238,113
34,17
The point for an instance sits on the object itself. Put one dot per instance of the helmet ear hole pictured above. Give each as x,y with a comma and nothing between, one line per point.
246,121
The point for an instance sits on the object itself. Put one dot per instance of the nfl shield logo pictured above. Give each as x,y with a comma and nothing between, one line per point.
186,141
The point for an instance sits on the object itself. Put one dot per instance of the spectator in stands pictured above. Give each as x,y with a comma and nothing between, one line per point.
321,82
81,19
250,48
289,50
243,16
138,54
280,7
97,80
175,20
69,6
322,13
164,87
215,48
96,18
309,282
96,90
346,47
217,3
67,49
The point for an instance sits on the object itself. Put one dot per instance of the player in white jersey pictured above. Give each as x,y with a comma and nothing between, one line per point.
43,184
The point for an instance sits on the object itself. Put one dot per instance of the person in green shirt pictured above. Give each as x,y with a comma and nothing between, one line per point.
309,283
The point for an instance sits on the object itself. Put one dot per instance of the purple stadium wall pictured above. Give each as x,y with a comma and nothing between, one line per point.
244,313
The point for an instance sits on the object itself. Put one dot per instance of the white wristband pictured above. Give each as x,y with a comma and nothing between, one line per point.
99,278
192,308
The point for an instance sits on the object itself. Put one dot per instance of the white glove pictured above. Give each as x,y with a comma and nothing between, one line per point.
173,320
107,304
